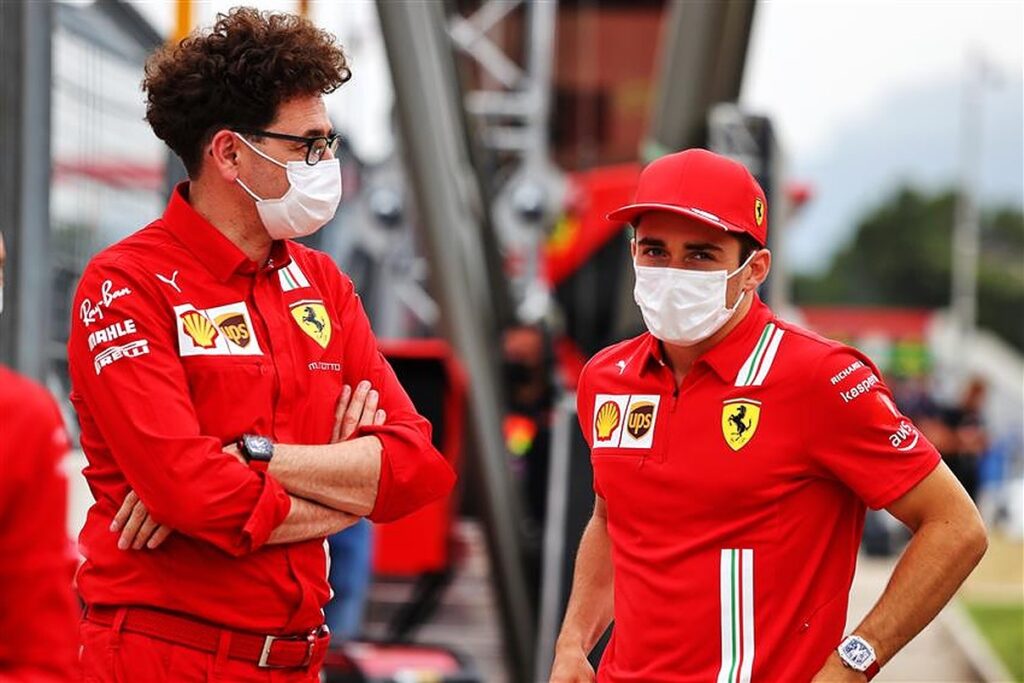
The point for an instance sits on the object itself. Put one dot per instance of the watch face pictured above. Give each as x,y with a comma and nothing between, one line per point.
259,447
856,653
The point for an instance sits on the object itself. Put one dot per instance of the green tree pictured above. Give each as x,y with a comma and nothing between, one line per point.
901,255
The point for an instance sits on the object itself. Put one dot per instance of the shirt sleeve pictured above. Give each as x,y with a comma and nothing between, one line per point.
859,436
39,618
585,415
412,471
135,390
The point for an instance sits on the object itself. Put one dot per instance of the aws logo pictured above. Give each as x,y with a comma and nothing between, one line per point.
625,421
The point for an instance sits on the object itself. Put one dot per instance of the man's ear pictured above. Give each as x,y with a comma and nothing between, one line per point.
632,246
760,266
222,154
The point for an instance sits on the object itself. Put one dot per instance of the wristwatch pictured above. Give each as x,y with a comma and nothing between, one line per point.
257,451
857,654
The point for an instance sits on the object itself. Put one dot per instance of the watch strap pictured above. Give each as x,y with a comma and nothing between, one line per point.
872,670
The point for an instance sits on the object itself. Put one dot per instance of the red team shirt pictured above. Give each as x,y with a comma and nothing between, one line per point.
38,610
736,503
179,345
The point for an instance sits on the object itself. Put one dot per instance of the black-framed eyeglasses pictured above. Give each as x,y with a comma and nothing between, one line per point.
316,146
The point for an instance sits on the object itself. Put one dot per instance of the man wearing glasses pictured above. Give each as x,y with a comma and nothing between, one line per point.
234,407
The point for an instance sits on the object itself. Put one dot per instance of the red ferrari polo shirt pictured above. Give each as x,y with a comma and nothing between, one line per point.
38,610
736,502
180,344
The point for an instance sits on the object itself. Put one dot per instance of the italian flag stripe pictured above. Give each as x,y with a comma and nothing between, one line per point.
736,590
287,281
760,360
746,372
769,357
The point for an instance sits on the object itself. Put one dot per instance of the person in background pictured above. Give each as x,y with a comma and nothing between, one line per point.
38,610
969,438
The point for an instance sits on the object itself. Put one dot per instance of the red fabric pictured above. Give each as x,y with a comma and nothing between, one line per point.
420,542
110,655
38,617
291,652
584,229
828,440
179,344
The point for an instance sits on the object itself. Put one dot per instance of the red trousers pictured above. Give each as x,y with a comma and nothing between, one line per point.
110,656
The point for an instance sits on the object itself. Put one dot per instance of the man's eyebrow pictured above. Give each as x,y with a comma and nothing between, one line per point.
650,242
317,133
702,246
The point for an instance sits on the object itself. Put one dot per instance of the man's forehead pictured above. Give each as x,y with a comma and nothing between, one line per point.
670,227
303,116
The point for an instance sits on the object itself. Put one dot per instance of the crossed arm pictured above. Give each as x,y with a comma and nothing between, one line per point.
330,486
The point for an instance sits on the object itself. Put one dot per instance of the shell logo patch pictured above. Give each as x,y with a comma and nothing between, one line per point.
607,420
219,331
312,318
758,211
199,328
635,430
740,417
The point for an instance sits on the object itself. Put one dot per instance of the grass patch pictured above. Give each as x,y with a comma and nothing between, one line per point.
1003,627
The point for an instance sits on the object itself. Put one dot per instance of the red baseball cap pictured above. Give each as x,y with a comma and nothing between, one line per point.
703,185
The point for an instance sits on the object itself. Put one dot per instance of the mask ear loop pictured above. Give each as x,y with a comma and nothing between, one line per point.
742,294
268,158
264,155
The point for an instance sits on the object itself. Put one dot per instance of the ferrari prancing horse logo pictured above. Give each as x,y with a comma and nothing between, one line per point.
739,421
312,319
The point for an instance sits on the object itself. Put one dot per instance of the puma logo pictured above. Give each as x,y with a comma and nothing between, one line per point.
169,281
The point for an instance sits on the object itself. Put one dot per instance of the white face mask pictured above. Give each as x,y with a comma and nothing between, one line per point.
684,307
310,201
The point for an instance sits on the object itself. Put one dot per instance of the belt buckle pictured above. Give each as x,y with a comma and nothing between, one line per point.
268,644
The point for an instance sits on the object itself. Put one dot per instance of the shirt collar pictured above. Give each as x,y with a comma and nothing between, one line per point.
728,355
209,245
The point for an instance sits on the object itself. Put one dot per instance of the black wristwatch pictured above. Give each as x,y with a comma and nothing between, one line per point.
257,450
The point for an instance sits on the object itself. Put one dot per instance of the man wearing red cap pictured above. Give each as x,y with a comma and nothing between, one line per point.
734,455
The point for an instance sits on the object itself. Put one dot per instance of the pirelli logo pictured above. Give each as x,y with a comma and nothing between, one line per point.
625,420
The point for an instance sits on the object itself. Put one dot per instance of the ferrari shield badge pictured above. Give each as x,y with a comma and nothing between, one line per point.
312,319
739,421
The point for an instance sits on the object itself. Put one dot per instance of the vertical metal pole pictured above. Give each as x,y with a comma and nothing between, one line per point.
25,63
429,105
966,227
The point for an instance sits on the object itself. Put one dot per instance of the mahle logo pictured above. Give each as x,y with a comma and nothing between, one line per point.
608,417
640,418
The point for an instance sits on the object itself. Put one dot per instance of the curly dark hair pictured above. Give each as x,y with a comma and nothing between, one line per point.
236,74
